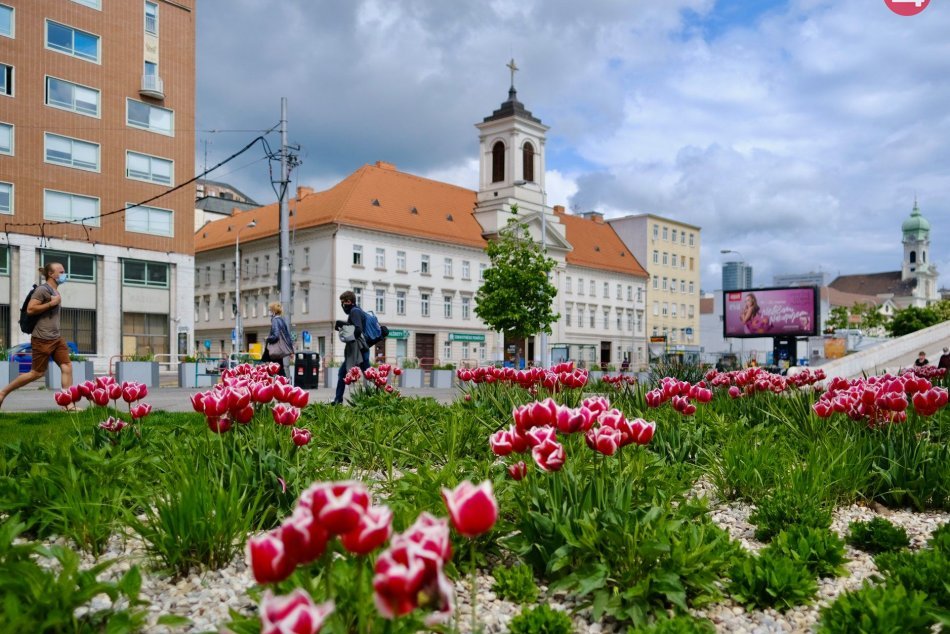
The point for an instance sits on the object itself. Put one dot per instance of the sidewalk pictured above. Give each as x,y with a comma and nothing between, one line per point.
37,398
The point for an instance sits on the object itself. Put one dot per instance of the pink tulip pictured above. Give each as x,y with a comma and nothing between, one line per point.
406,573
243,415
299,397
86,387
603,439
262,392
373,530
103,381
63,398
596,403
215,403
518,470
140,411
549,456
100,397
337,505
304,539
285,414
300,436
115,391
570,420
115,425
295,613
430,533
198,402
734,392
219,424
501,443
642,431
268,558
472,509
238,399
538,435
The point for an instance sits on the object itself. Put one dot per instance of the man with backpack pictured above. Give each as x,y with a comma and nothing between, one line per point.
42,323
355,352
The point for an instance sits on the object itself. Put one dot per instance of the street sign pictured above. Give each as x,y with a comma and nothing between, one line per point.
207,344
465,336
306,336
233,334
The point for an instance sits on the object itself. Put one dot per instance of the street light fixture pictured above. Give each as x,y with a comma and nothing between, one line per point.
730,251
542,336
238,322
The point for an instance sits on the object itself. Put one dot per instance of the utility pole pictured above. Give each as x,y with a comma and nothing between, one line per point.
284,268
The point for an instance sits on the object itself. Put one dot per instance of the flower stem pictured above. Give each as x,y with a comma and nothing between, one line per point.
474,591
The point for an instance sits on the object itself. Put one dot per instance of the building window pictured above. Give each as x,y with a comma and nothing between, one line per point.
306,257
305,300
358,291
246,271
666,309
630,293
66,39
79,325
673,309
606,320
674,235
447,306
380,301
606,290
593,288
424,265
656,232
80,267
682,237
665,233
71,152
639,294
498,162
482,350
465,351
592,316
380,258
656,282
151,220
567,285
74,97
682,286
150,332
357,255
148,117
665,258
224,272
481,271
466,307
424,304
6,198
70,207
619,320
620,291
6,80
400,302
92,4
673,285
267,264
6,139
673,260
6,20
144,273
447,267
143,167
151,18
692,240
401,261
4,260
656,308
692,263
567,317
150,69
466,270
665,281
691,288
580,286
527,162
208,278
257,266
691,310
447,350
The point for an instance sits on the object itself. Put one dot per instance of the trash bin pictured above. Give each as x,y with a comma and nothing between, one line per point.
307,372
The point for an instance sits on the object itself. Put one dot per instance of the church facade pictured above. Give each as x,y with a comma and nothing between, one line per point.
413,251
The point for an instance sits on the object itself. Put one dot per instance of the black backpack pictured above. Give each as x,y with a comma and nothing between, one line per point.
27,321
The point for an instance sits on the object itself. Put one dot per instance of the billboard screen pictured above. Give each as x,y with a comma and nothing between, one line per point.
771,312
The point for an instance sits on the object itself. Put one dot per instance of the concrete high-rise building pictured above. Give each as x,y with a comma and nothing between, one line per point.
811,278
736,276
97,109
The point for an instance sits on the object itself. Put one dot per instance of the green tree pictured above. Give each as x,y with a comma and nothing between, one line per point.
870,314
516,295
912,319
838,318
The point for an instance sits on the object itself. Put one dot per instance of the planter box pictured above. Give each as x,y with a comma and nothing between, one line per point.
411,377
331,377
442,378
195,375
9,370
82,371
139,371
595,375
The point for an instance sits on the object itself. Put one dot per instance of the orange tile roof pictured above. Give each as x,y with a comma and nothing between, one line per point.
597,245
381,198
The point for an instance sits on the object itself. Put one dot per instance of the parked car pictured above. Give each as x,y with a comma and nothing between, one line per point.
23,354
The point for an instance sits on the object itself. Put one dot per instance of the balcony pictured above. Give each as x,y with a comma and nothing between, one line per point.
152,86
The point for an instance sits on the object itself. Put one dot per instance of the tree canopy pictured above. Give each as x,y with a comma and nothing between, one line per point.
516,296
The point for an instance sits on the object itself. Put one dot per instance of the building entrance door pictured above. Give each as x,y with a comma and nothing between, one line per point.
604,354
425,349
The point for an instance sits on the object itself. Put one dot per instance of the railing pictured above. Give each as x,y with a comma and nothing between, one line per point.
152,86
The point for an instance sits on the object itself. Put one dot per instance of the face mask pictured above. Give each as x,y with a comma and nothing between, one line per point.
61,279
347,308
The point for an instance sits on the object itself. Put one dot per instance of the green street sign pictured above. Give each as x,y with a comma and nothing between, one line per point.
397,334
464,336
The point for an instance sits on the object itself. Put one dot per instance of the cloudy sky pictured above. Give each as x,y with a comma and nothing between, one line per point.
796,132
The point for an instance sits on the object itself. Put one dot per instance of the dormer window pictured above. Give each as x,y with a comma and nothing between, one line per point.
527,158
498,162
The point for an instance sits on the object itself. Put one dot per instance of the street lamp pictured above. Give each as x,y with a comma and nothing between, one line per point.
542,336
730,251
238,322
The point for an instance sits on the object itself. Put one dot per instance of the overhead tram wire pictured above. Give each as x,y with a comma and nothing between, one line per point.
7,226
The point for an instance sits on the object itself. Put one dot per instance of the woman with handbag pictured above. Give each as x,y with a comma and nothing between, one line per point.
279,345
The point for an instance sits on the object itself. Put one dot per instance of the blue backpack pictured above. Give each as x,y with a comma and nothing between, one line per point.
372,331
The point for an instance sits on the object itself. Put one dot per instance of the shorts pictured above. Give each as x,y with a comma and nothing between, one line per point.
46,349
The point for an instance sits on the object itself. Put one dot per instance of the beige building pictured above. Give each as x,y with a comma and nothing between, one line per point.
97,109
669,250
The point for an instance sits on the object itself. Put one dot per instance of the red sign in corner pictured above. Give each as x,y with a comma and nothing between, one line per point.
907,7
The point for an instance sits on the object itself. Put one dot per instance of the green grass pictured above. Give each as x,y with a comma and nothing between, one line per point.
59,428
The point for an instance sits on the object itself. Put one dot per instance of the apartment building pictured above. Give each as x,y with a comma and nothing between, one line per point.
669,250
97,109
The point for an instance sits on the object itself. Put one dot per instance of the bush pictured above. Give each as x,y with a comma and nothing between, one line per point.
820,549
926,571
940,540
783,509
515,584
541,620
772,580
877,536
877,609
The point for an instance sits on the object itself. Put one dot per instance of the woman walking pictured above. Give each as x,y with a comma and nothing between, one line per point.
279,345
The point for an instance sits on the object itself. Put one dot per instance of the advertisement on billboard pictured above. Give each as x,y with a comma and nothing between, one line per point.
771,312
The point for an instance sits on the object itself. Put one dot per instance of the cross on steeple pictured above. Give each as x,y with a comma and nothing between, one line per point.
513,68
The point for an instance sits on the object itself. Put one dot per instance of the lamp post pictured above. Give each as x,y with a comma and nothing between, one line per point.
238,322
542,336
730,251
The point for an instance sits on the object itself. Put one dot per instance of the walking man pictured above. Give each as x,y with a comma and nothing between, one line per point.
46,341
355,352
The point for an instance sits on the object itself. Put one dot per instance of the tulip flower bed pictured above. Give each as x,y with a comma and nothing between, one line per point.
695,503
